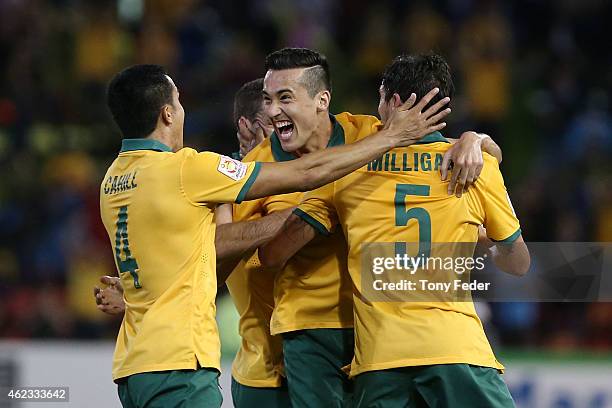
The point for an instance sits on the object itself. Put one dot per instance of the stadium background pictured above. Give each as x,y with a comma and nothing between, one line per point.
534,74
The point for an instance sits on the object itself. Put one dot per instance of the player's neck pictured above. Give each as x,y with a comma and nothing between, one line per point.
319,138
165,137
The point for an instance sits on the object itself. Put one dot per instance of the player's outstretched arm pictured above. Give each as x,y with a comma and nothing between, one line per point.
233,240
405,127
294,234
512,258
467,160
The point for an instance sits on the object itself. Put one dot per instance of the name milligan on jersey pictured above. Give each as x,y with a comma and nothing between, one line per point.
402,162
121,183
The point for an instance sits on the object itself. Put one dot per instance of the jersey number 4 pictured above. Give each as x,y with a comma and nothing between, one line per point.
403,215
127,264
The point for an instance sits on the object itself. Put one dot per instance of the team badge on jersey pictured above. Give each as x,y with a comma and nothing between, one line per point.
232,168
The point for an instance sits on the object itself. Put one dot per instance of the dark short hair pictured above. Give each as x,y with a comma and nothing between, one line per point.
315,79
248,100
135,97
418,74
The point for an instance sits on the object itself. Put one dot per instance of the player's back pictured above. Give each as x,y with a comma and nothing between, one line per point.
398,199
141,195
160,241
405,200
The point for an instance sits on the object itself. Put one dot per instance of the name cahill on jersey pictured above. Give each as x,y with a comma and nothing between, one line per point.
120,183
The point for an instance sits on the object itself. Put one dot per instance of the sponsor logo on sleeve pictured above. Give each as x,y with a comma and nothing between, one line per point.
232,168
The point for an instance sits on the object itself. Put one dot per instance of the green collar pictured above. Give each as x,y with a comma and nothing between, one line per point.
433,138
336,139
128,145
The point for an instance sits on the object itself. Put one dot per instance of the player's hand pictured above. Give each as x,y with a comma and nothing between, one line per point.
412,123
483,238
110,299
484,243
467,162
112,281
249,135
265,125
244,136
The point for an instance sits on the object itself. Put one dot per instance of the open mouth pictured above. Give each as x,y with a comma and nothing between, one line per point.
285,129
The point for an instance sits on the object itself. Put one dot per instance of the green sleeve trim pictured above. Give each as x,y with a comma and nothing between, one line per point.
511,238
320,228
247,186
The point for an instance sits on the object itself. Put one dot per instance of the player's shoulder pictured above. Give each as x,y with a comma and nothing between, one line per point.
193,157
490,176
490,164
261,152
186,152
357,126
347,119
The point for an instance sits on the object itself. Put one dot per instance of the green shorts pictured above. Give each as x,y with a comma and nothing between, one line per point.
167,389
442,385
255,397
313,364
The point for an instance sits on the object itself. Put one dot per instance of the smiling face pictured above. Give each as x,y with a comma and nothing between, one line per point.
293,112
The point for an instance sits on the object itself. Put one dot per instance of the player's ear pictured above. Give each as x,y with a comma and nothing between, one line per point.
324,98
242,121
167,114
396,101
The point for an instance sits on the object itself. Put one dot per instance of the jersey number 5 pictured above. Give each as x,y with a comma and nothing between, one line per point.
128,264
403,215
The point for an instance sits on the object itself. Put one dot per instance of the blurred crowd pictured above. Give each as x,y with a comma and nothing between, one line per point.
534,74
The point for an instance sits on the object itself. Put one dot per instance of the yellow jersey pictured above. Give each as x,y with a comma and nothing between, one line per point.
401,198
157,207
270,305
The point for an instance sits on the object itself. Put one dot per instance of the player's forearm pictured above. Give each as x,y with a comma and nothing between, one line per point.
294,234
319,168
489,146
334,163
511,258
233,240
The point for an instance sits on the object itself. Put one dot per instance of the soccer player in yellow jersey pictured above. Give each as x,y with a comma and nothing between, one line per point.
421,354
157,204
257,367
